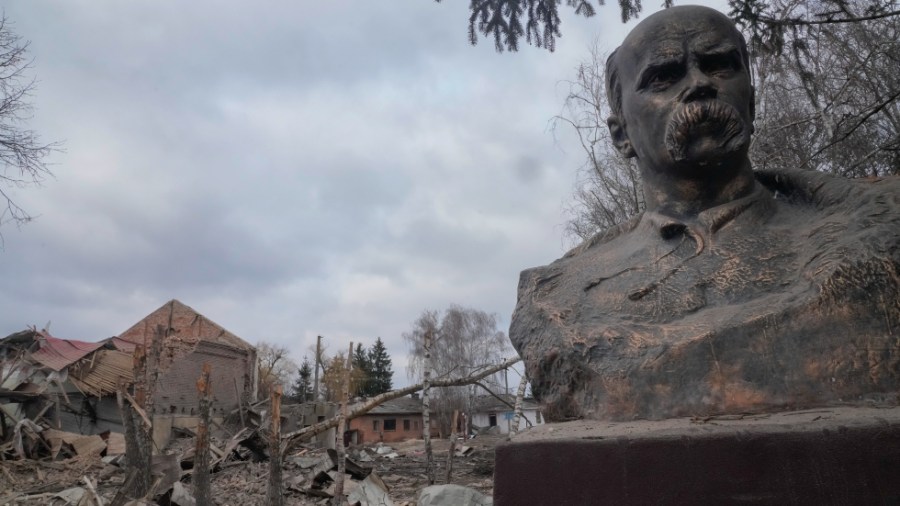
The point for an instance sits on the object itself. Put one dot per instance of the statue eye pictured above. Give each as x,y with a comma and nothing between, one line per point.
720,64
663,77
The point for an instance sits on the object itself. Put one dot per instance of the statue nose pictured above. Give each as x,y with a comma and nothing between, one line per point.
699,87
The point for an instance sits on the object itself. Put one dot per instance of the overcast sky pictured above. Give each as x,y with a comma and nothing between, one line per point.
288,168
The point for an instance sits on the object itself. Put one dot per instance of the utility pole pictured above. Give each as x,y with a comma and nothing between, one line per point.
318,356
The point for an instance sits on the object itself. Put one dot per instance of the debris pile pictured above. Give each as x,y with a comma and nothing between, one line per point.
62,468
84,424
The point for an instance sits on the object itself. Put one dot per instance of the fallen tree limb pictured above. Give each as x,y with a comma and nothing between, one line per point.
507,403
292,438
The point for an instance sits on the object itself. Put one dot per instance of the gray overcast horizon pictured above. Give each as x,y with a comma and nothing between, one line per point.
287,169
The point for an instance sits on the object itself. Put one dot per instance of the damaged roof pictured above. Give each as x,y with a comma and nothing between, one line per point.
57,354
102,373
186,326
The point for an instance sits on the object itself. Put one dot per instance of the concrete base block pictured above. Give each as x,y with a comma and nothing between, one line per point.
835,456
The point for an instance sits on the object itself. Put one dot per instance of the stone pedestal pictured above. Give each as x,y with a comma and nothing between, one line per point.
835,456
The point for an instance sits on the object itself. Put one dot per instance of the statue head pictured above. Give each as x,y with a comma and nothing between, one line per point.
682,102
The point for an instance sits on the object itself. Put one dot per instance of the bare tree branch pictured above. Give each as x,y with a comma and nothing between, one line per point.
292,438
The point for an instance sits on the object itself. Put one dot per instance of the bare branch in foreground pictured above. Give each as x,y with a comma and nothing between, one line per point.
295,437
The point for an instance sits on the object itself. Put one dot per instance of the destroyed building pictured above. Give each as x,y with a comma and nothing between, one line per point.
71,385
190,341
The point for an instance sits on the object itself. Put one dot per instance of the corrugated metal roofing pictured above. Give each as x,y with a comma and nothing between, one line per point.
57,354
123,344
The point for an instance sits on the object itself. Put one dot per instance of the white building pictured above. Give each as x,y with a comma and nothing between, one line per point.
489,411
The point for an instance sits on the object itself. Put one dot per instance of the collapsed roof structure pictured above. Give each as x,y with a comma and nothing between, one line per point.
71,385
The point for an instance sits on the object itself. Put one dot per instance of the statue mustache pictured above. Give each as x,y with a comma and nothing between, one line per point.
708,117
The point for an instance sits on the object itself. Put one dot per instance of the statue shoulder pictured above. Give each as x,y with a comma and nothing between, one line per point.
823,190
606,236
545,278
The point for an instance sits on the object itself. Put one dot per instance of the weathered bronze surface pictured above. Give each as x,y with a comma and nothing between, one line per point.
735,291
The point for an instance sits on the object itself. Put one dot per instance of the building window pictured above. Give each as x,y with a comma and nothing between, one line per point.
406,424
375,425
492,420
416,424
390,424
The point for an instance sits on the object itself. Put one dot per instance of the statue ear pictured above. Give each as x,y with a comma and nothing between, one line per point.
620,137
752,107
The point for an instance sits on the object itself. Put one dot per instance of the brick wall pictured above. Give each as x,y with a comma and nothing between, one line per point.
176,391
192,340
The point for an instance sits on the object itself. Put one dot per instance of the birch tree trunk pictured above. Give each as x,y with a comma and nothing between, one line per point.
426,411
520,395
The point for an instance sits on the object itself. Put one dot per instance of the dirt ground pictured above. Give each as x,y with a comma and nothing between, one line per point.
239,483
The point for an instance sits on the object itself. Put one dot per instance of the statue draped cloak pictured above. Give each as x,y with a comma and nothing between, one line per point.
786,299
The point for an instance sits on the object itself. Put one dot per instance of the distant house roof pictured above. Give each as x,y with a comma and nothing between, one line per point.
489,403
401,406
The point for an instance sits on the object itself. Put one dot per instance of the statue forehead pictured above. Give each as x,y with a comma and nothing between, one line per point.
668,33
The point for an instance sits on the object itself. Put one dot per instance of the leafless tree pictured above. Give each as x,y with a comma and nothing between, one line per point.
465,341
608,190
21,150
336,375
275,367
828,96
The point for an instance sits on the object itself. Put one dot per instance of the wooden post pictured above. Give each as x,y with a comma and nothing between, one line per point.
149,404
237,392
275,497
142,435
341,428
426,410
201,454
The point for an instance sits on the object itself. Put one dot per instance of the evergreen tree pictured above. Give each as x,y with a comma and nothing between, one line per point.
381,373
363,368
772,24
303,387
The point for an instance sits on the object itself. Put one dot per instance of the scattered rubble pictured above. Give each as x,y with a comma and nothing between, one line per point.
63,441
62,468
452,495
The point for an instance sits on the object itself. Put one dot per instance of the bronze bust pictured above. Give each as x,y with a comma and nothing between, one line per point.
734,291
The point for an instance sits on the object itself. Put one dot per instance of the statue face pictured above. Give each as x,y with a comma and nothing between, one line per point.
687,101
